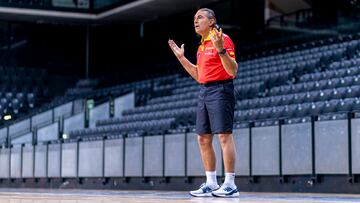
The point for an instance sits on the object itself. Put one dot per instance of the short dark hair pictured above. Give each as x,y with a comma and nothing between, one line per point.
210,13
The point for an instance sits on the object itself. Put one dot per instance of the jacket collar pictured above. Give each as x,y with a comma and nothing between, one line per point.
205,40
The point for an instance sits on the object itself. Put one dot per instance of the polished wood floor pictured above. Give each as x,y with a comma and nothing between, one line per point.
106,196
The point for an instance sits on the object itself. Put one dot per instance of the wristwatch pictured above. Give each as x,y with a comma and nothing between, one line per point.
222,52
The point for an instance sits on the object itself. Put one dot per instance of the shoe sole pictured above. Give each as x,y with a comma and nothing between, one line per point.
202,195
227,196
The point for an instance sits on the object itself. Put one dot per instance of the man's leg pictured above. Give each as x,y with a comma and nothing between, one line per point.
229,152
220,105
209,161
228,188
207,151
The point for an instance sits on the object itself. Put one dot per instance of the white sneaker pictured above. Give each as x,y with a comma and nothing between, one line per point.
204,190
226,191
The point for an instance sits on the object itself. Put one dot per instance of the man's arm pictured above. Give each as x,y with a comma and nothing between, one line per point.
229,63
179,53
189,67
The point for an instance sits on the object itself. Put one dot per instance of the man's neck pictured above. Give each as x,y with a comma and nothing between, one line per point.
205,36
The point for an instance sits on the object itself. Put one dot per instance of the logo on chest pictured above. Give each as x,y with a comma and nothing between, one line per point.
209,53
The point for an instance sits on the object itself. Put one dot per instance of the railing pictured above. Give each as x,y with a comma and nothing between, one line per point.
323,145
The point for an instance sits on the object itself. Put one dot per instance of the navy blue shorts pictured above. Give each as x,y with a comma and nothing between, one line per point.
215,109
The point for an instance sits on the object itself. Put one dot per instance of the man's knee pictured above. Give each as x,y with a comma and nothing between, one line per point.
225,138
205,140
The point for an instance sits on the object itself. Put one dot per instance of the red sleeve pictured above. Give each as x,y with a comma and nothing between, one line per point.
229,46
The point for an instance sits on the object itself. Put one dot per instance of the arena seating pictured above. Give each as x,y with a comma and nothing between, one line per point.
311,79
300,83
22,89
297,105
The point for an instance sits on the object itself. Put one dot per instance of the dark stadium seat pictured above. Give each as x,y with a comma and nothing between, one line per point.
263,102
346,105
275,100
4,102
290,110
31,99
291,98
302,109
9,95
15,104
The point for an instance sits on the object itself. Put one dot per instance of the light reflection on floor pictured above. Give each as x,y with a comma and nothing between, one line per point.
107,196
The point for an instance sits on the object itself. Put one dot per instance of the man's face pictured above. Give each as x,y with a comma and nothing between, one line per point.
202,23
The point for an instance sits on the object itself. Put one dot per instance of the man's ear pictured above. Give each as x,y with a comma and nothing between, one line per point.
212,22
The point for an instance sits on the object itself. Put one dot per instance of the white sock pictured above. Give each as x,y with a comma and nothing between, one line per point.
211,178
230,179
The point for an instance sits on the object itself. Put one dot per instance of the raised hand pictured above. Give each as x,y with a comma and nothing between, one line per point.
217,39
179,52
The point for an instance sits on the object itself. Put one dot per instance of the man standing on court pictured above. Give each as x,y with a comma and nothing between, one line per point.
215,70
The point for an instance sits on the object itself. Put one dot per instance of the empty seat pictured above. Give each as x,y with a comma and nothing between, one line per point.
309,86
317,108
355,80
321,95
31,99
331,106
356,105
264,113
15,105
252,114
348,81
353,91
322,84
303,109
275,100
345,105
314,96
300,97
9,95
4,102
264,102
333,83
243,104
290,110
277,111
288,99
